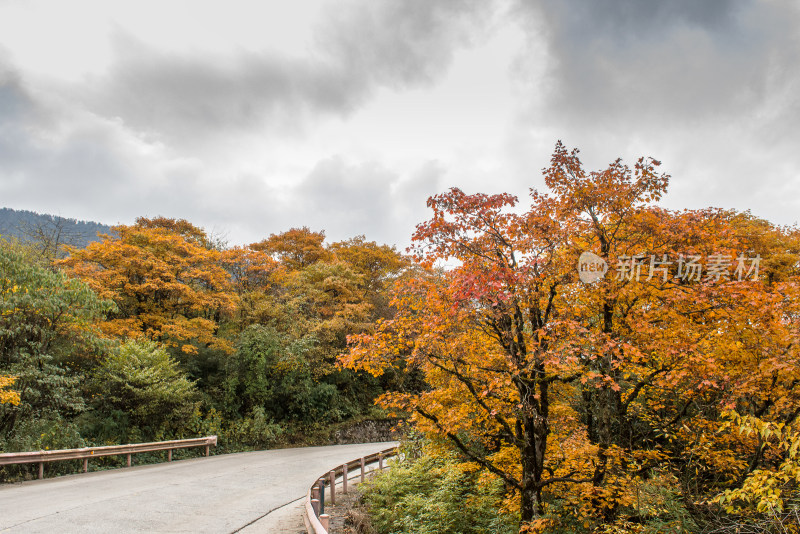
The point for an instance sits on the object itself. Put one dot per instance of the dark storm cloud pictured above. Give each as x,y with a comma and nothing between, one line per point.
692,59
359,47
178,95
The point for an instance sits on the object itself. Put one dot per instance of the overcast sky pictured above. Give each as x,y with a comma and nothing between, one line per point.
249,118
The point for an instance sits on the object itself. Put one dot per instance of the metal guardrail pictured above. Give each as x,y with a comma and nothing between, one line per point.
85,453
318,521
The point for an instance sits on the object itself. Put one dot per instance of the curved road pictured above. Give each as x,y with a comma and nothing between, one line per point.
218,494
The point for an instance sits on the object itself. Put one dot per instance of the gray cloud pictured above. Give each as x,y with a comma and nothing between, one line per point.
177,98
59,160
349,199
711,88
692,59
399,43
359,47
72,162
13,100
138,139
15,106
344,198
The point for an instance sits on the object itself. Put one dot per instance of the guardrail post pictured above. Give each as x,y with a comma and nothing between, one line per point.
332,476
380,461
41,469
325,519
363,466
321,495
344,478
85,465
169,455
129,459
206,450
315,506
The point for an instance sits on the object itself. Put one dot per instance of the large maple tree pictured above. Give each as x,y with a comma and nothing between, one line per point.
575,391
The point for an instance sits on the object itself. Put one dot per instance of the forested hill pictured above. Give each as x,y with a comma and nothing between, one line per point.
29,225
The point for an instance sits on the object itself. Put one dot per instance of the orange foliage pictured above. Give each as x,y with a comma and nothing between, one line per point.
295,248
168,285
548,382
296,283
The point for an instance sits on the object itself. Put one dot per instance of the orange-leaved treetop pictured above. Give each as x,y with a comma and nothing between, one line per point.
166,279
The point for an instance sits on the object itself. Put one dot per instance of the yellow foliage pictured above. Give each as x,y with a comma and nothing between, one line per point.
8,396
765,490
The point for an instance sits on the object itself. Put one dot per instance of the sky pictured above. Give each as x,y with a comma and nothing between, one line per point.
250,118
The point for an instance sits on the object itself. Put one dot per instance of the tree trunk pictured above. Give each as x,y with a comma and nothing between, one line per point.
535,431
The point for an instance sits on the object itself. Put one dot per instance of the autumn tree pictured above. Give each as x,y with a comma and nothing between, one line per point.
295,248
181,227
167,282
296,283
312,295
250,270
49,236
378,267
558,387
479,334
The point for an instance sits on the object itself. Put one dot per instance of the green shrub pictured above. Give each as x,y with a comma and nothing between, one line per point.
256,431
47,339
41,435
270,372
140,394
429,495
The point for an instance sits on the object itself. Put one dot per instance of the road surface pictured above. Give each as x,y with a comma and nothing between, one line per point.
223,493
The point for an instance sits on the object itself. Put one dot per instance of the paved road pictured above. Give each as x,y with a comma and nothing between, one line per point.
218,494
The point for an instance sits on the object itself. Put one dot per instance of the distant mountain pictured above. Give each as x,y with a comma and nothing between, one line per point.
50,229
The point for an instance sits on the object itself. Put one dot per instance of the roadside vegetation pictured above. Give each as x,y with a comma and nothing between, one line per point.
432,492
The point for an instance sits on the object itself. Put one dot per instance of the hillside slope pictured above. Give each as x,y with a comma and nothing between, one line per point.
29,226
